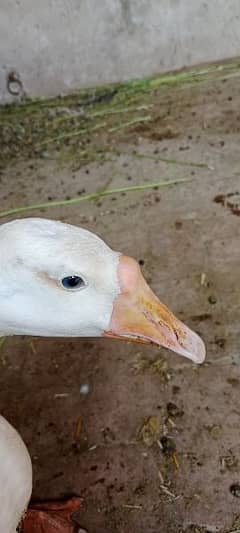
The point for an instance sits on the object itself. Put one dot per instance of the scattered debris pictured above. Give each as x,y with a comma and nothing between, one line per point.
233,206
108,435
229,462
176,462
173,410
167,491
221,198
201,318
78,428
150,430
233,381
215,431
158,366
161,478
80,443
92,448
235,526
203,281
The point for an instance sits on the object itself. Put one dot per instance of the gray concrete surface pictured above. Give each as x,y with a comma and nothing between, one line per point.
188,237
56,47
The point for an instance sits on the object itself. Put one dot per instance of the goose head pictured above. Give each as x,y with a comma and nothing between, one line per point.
61,280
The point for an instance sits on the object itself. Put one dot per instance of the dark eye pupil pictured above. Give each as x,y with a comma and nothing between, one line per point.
72,282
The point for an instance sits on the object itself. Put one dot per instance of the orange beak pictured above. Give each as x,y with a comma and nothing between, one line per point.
139,316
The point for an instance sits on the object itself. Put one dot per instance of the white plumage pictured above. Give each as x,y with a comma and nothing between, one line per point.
15,477
36,254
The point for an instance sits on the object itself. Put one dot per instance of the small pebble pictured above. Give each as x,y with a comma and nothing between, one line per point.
173,410
44,155
84,389
168,446
212,300
178,224
235,490
220,342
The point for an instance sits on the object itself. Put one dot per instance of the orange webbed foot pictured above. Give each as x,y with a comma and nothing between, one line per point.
52,517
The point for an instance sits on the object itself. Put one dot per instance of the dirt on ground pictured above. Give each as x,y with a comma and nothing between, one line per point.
149,440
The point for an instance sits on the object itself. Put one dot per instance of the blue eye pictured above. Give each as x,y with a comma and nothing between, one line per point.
73,282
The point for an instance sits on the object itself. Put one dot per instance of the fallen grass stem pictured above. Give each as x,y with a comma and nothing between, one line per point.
162,159
93,196
137,507
70,134
138,120
101,113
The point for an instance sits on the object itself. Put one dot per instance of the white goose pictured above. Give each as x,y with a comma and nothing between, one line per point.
60,280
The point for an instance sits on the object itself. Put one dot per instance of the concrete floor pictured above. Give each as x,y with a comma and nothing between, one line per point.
188,237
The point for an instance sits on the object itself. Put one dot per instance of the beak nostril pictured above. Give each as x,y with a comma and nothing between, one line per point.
176,335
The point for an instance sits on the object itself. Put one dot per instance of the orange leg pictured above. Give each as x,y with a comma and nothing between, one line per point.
52,517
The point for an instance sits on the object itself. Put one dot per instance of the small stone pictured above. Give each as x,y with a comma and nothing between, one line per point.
235,490
220,342
173,410
178,224
212,300
84,389
168,446
44,155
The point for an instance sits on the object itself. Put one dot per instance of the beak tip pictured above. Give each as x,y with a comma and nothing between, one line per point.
197,352
191,346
